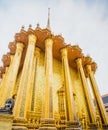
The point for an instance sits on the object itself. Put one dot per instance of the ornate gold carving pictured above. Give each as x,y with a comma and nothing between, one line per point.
33,120
61,104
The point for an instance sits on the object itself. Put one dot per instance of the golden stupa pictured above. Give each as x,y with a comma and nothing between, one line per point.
52,84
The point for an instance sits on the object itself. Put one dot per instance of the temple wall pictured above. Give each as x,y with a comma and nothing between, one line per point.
41,81
57,81
79,97
34,78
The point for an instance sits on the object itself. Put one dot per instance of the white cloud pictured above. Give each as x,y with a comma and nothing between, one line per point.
80,23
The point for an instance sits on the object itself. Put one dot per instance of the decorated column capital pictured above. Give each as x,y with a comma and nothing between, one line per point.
88,68
79,62
32,39
20,46
37,52
48,42
63,52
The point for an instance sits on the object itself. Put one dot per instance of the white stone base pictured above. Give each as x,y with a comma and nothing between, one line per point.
6,121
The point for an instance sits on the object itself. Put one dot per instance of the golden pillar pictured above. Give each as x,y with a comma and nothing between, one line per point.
5,76
4,84
90,107
15,68
48,76
47,112
35,99
21,104
33,92
70,108
97,96
12,74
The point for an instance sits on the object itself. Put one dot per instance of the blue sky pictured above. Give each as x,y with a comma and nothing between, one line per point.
82,22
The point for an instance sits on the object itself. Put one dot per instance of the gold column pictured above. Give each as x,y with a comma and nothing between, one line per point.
48,77
4,81
15,68
90,107
35,99
5,85
30,100
12,75
21,104
47,121
70,111
97,96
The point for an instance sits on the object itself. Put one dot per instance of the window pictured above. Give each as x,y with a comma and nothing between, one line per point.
105,99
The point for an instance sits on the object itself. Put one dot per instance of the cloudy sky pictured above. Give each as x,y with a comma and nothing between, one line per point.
82,22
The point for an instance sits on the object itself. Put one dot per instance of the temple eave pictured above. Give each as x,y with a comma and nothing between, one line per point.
74,51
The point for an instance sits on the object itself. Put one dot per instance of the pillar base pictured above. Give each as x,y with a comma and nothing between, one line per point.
73,126
6,121
19,124
105,126
93,126
19,128
48,124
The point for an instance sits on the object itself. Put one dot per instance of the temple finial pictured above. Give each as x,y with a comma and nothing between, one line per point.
48,22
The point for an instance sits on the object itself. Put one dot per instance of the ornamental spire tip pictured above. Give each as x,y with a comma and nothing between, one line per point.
48,22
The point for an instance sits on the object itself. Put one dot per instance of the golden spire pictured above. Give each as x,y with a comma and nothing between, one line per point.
48,22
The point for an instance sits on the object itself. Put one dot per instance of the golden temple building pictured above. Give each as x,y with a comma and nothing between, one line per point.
52,84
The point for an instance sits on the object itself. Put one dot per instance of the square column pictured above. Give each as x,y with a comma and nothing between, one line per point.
48,121
72,123
22,104
90,107
35,97
98,99
12,74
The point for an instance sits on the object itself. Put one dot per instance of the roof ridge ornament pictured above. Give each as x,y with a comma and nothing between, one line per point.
48,22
